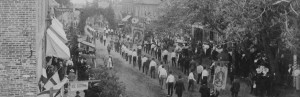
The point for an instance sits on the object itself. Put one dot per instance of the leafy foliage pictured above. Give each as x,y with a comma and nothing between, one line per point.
109,85
93,10
271,26
64,2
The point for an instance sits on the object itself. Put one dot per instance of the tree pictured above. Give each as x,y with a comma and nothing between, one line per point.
64,2
108,86
93,10
269,25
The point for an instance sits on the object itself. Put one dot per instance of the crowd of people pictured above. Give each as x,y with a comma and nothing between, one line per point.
154,57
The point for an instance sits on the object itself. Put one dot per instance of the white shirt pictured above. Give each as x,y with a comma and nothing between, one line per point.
205,73
165,52
152,63
152,46
163,72
129,52
296,72
173,54
191,76
159,67
134,54
170,79
104,37
199,69
139,47
144,59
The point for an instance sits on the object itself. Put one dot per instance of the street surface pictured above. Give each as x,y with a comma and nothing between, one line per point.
137,84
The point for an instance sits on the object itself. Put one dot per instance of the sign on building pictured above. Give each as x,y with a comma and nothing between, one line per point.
79,85
219,80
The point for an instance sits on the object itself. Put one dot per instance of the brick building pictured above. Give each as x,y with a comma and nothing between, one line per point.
22,23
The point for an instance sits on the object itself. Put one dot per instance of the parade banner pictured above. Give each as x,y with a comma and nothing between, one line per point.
219,80
79,85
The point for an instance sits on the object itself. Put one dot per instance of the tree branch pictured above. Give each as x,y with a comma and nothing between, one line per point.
294,10
259,15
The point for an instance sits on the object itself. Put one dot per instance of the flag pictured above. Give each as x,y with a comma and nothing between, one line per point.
60,86
48,93
43,79
54,80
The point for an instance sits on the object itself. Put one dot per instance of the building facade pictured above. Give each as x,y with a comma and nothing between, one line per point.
22,23
149,9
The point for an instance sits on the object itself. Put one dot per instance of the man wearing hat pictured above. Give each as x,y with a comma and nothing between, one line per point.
72,75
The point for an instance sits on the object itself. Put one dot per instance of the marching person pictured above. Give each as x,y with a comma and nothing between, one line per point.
130,55
179,87
140,62
144,59
152,49
139,50
159,53
170,82
204,90
109,62
104,39
165,56
108,48
126,53
205,75
152,67
235,88
162,76
173,58
191,80
199,71
134,57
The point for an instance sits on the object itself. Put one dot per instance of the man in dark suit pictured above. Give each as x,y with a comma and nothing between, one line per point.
204,90
179,87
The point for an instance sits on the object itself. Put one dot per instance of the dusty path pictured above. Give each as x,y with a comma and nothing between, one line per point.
137,84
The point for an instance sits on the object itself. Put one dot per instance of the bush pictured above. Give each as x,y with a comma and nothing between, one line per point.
108,86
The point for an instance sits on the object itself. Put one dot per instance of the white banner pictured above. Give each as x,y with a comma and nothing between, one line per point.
79,85
220,77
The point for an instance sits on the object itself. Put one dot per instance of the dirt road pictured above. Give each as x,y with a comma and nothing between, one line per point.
137,84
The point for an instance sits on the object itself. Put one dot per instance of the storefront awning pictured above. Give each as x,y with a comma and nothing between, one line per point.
88,44
56,21
55,47
58,30
126,18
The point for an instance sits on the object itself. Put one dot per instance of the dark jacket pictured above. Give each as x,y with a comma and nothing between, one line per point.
179,87
235,86
205,91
